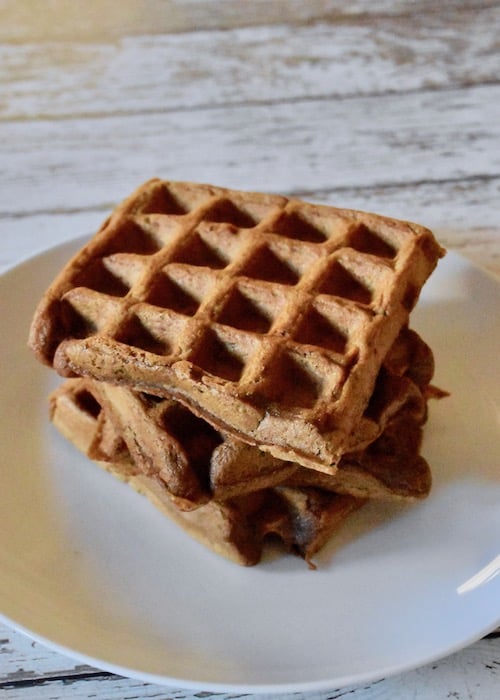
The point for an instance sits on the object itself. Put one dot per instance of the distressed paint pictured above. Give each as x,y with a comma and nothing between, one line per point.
29,671
139,74
390,106
313,144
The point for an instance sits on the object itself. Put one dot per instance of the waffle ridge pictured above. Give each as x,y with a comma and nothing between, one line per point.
268,317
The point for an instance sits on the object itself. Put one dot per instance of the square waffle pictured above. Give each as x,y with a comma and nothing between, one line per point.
302,518
269,317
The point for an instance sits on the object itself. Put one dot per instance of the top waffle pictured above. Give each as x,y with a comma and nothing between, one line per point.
267,316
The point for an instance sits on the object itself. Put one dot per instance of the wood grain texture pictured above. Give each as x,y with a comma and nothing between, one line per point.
141,74
62,19
404,158
328,145
372,119
393,110
390,106
46,678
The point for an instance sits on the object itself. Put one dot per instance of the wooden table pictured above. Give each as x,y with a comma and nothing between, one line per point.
384,105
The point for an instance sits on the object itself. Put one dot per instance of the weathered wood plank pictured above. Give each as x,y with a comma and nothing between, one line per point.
52,166
29,671
162,73
22,660
23,21
370,117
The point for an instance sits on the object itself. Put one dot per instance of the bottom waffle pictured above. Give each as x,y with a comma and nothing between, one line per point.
196,464
302,517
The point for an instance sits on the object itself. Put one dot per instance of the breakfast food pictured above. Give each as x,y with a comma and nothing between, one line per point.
197,462
303,518
241,343
268,317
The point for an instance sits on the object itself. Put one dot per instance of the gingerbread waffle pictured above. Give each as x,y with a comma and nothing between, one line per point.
195,461
390,467
268,317
302,518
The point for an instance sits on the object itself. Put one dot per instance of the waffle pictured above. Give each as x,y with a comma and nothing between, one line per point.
197,462
266,316
390,468
302,518
170,443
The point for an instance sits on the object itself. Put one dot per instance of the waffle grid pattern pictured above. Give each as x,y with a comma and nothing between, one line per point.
273,302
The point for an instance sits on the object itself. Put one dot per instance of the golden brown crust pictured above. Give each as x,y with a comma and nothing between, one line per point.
267,317
244,360
303,518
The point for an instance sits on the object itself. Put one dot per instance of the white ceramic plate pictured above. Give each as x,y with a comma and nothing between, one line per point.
90,568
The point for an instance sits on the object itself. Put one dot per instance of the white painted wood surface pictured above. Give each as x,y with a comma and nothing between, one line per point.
391,106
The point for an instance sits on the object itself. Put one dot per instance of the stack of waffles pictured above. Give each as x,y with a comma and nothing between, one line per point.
245,360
